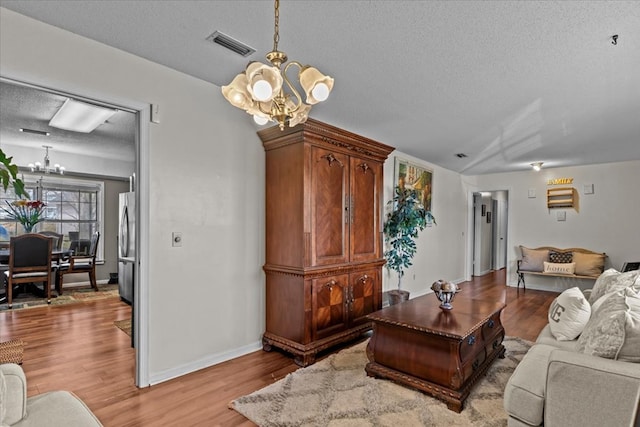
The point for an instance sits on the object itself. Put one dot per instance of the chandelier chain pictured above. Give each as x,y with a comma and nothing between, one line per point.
276,30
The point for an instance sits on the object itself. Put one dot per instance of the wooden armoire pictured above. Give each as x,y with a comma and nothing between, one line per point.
323,236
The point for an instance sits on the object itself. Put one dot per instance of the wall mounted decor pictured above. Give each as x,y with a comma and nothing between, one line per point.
415,177
561,197
488,217
484,209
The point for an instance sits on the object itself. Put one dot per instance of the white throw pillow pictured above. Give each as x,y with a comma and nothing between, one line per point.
569,314
559,267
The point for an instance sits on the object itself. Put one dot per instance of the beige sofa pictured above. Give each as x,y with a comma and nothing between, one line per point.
53,409
589,380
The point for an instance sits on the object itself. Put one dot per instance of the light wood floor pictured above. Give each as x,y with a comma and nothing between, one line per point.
78,348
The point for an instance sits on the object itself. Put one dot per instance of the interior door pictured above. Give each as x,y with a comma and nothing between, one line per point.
501,207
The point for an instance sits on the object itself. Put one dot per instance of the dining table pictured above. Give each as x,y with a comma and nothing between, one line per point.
56,254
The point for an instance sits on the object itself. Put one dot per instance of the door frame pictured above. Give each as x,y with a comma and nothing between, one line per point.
142,111
470,241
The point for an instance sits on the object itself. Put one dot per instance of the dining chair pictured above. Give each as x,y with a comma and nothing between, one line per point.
57,238
80,264
29,262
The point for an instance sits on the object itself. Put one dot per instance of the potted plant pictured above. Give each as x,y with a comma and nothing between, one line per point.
9,175
407,217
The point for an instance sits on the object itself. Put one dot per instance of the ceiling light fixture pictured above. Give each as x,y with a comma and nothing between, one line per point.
46,167
79,116
259,90
537,166
36,132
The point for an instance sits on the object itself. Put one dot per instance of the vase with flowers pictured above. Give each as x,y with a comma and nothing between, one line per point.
26,212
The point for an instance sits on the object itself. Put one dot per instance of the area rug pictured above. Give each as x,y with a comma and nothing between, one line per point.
12,351
70,296
336,392
124,326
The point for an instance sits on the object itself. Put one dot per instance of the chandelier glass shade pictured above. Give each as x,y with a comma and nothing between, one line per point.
265,91
46,167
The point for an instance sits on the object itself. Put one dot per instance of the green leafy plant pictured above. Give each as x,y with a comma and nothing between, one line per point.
406,218
9,175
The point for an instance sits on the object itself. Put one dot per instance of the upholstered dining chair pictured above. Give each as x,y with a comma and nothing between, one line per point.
80,264
29,262
57,238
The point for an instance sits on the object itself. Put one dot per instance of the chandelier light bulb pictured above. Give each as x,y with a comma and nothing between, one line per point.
260,120
262,90
320,92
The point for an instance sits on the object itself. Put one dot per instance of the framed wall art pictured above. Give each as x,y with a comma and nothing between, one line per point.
419,178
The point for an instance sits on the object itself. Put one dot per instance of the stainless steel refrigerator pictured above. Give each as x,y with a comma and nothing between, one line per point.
127,246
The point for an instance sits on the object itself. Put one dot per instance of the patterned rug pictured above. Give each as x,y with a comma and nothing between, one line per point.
337,392
70,296
124,326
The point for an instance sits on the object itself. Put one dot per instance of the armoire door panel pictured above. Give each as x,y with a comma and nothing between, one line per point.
329,207
363,295
328,304
364,234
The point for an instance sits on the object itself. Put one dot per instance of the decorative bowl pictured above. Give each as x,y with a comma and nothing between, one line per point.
445,292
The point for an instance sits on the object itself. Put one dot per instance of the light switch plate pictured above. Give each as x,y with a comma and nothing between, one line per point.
155,113
588,189
561,216
532,193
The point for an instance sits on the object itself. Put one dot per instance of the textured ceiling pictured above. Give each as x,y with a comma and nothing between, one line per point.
507,83
31,108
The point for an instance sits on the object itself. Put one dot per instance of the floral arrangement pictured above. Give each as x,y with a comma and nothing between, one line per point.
26,212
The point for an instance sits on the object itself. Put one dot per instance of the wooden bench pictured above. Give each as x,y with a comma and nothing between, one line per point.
521,273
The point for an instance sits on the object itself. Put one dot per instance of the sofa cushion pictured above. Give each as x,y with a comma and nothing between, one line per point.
568,314
525,390
533,259
3,392
613,331
560,257
559,268
546,337
59,408
588,264
612,281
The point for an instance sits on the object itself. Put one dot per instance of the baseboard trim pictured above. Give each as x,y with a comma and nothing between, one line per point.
205,362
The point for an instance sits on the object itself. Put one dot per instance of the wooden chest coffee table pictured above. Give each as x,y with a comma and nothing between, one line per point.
442,353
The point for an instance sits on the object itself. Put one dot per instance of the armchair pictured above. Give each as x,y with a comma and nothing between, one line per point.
29,262
80,264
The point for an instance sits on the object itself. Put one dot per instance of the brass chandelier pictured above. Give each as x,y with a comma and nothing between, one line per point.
260,89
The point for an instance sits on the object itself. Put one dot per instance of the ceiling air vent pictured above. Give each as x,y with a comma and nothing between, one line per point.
231,43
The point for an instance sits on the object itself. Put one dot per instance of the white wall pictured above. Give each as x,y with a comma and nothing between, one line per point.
206,180
441,247
605,221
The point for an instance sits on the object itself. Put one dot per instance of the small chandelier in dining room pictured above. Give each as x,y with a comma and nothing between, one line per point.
260,90
46,166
